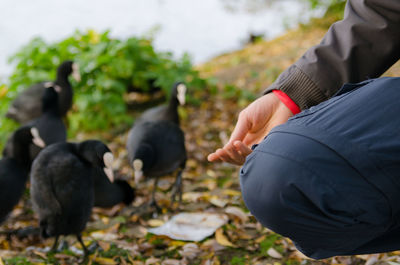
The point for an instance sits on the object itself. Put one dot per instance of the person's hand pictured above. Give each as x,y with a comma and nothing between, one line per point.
253,124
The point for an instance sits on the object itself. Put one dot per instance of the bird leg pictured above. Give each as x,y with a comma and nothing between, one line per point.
177,188
62,246
85,251
54,247
153,201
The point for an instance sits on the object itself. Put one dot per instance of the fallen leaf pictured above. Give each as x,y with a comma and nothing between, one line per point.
62,256
211,246
104,245
231,192
137,231
211,173
152,261
372,260
189,251
237,212
176,243
172,262
260,239
92,257
155,222
123,262
104,236
297,255
40,254
192,196
113,229
222,239
215,261
218,202
274,254
105,261
133,262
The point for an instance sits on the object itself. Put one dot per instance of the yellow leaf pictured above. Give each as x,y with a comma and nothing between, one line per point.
1,261
104,245
222,239
231,192
105,220
211,173
105,261
134,218
3,92
94,36
155,222
92,257
176,243
5,245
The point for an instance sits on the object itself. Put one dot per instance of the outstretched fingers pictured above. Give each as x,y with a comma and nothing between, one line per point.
233,153
243,149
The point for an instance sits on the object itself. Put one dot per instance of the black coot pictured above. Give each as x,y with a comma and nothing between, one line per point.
50,126
168,112
28,104
156,143
14,170
108,193
62,186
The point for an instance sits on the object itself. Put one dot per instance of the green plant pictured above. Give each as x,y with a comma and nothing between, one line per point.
109,67
324,3
6,125
269,242
114,251
17,261
238,261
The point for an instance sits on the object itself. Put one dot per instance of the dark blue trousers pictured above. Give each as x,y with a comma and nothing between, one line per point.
329,178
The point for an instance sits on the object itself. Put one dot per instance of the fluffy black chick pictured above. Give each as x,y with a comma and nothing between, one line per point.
62,186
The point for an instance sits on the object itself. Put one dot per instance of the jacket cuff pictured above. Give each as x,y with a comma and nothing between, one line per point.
285,99
299,87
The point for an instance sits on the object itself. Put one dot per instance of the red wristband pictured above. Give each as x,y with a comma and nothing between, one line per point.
287,101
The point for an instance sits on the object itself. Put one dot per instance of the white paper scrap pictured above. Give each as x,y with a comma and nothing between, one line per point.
191,226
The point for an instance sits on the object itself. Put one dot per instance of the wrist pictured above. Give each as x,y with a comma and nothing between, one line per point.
287,101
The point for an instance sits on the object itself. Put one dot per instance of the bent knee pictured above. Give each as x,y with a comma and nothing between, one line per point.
263,179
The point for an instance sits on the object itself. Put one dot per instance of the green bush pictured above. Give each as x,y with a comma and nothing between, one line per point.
108,68
324,3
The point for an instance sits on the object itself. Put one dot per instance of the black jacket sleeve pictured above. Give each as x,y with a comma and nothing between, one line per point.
361,46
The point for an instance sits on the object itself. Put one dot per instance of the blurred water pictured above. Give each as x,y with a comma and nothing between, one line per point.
203,28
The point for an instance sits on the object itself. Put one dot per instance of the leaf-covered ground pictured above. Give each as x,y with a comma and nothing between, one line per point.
121,232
